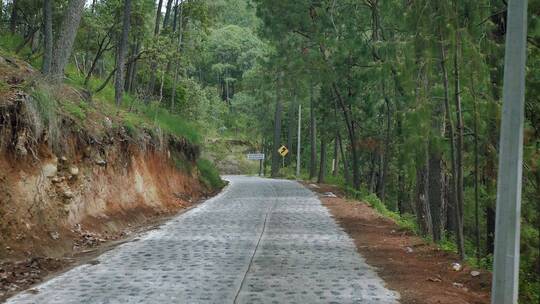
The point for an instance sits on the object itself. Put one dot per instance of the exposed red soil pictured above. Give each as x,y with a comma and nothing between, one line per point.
420,272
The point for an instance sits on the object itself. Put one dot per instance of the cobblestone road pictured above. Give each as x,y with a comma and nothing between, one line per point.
260,241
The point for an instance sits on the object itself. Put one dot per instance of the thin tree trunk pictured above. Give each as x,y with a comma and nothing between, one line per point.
322,165
386,152
276,157
459,141
346,174
423,213
476,170
177,62
158,18
167,13
291,127
14,19
352,136
121,57
313,136
336,156
133,73
47,37
101,49
453,181
66,38
153,63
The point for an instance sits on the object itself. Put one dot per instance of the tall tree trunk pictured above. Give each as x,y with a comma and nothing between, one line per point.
175,19
101,49
132,80
14,19
276,157
476,172
47,37
423,212
322,166
453,180
153,63
291,127
346,173
121,56
386,152
459,139
436,172
158,18
65,40
177,62
313,136
167,13
336,156
352,136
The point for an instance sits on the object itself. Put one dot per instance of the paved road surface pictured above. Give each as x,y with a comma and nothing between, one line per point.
260,241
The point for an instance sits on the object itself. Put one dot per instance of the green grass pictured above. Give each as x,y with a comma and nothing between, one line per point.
76,110
45,103
209,175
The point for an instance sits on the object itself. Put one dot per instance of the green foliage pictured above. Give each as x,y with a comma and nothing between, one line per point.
209,174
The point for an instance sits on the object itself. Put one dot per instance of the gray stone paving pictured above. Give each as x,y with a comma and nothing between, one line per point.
260,241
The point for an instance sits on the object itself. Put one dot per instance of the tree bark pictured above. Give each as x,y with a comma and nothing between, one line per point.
322,165
313,136
158,18
47,37
121,56
167,13
276,157
290,130
453,181
14,19
423,212
66,38
346,173
476,173
459,137
386,152
336,156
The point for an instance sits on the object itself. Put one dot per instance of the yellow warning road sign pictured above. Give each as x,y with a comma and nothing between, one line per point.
283,151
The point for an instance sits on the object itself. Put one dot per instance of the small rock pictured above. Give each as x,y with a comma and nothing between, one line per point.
57,180
329,194
432,279
409,249
456,266
101,162
54,235
107,123
63,159
49,170
475,273
457,285
73,170
68,194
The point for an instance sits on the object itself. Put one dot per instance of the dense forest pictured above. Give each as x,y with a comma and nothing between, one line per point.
400,100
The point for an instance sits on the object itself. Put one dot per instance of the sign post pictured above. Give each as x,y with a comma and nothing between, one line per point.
507,223
283,151
259,157
299,140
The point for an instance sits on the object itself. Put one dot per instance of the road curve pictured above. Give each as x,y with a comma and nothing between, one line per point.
259,241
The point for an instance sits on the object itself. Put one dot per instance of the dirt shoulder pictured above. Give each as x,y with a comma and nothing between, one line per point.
420,272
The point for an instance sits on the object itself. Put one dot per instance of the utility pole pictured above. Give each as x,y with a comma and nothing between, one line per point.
298,144
507,227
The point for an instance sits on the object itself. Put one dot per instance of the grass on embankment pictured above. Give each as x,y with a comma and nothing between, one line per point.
89,109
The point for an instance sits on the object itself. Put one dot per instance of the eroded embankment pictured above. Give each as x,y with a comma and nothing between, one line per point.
67,183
